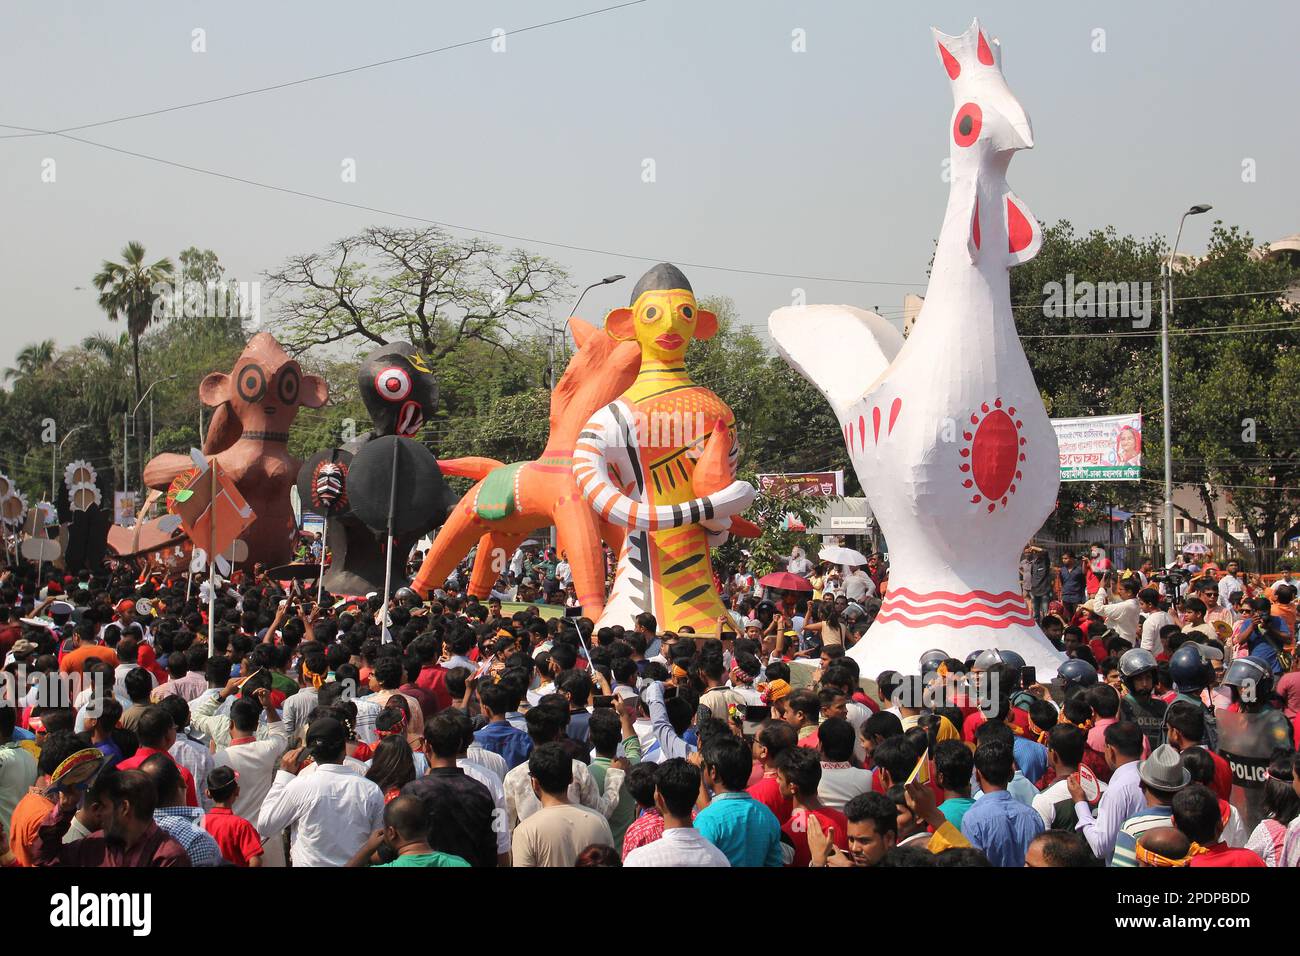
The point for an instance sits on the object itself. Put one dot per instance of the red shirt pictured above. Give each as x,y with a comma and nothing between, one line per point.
433,678
768,792
975,720
9,634
1095,761
796,828
425,698
1223,855
867,702
144,753
235,836
149,661
646,828
1222,784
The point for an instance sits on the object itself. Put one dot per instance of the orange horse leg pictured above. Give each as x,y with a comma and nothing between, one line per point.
575,524
494,550
613,536
453,542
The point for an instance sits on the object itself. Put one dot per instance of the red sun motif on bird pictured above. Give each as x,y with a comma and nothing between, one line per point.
993,454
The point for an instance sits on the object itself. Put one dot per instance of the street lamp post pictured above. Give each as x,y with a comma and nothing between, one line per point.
1166,307
551,341
550,352
54,463
126,443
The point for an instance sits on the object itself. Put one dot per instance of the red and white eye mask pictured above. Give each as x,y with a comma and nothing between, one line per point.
393,384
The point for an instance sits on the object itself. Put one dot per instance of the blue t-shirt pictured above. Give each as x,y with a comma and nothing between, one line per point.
746,831
1262,648
954,808
1072,584
1031,758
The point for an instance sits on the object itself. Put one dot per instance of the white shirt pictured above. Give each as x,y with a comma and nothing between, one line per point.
297,707
1227,584
256,763
651,752
488,760
1122,616
496,788
197,759
1045,803
1234,832
679,846
333,812
841,783
1151,627
119,678
859,585
205,719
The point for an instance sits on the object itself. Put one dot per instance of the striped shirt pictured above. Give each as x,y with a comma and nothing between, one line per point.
1132,829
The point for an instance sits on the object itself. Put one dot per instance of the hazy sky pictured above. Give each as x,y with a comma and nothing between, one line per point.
823,163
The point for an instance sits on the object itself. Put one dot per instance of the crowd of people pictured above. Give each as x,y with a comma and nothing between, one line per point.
455,732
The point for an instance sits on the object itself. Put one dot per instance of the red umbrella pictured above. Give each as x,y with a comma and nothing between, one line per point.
785,581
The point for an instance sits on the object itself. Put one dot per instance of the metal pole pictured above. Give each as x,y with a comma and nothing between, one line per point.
125,452
320,582
1164,389
212,562
1166,306
386,635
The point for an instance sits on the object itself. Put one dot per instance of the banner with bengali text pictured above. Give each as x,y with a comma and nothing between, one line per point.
1105,448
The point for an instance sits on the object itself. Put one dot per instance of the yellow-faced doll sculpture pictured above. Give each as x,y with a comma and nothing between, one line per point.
660,461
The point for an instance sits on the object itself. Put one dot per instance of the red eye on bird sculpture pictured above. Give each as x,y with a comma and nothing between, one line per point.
966,127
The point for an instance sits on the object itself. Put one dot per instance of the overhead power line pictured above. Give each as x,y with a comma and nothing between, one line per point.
29,132
457,227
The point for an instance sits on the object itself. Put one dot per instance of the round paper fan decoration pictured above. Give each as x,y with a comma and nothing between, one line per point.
13,509
77,769
85,497
80,472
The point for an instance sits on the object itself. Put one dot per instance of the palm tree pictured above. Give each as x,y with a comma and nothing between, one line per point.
126,290
107,392
32,359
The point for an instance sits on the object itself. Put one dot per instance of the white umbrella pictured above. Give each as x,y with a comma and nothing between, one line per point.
838,555
1195,547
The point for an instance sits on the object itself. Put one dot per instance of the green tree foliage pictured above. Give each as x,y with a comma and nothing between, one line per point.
771,512
782,421
1081,371
1234,380
484,316
1233,374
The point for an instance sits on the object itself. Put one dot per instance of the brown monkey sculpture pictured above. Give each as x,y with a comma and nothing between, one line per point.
255,406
